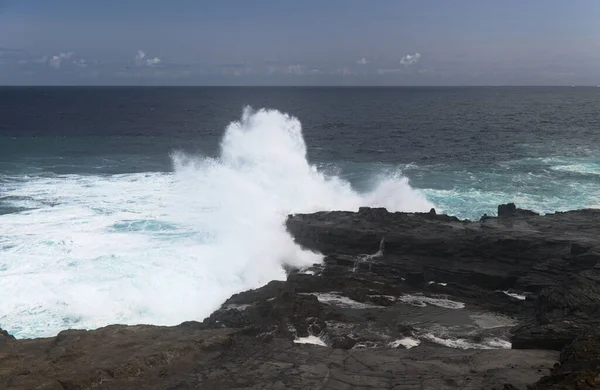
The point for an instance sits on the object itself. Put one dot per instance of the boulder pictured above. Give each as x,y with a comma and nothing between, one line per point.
579,365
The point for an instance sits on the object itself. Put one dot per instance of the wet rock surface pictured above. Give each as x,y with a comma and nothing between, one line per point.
545,270
401,301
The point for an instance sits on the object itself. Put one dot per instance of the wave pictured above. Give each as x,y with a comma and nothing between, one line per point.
162,248
583,168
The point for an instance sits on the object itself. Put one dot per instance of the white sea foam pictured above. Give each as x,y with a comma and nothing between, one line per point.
407,342
584,168
342,301
441,284
490,343
516,296
422,301
162,248
311,340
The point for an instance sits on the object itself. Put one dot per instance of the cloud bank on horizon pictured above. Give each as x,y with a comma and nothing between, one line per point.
268,42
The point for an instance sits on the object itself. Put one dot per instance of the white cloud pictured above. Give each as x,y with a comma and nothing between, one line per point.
56,61
296,69
410,59
81,63
139,56
152,61
292,69
141,59
362,61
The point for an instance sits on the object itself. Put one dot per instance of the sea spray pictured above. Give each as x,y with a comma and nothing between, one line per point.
162,248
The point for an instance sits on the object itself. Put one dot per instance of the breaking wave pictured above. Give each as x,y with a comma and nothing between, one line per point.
162,248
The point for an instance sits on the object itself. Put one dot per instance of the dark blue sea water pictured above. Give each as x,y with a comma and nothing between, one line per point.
467,148
117,202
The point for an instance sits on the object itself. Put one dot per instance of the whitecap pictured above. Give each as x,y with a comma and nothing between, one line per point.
582,168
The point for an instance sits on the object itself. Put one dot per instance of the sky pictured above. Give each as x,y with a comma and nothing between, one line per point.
300,42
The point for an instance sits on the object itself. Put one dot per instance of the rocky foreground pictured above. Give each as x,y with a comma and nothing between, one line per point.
354,322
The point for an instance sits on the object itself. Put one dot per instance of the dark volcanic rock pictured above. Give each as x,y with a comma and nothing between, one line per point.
281,311
5,340
114,357
5,336
562,312
270,290
191,357
510,210
579,366
495,253
551,257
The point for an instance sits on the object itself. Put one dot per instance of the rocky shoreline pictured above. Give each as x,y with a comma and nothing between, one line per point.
365,317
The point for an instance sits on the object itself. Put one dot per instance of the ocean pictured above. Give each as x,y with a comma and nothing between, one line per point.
154,205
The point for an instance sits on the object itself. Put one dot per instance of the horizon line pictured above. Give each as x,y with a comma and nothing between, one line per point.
293,86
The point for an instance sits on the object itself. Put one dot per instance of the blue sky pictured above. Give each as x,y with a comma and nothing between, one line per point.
309,42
